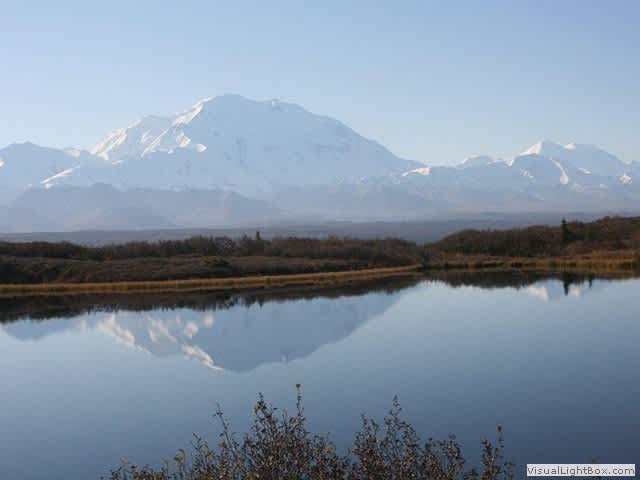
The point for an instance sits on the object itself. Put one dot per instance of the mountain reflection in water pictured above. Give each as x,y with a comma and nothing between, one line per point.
239,332
236,332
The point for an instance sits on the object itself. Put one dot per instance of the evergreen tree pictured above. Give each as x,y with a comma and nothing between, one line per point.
565,233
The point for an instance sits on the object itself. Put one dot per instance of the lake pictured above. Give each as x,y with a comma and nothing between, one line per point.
88,380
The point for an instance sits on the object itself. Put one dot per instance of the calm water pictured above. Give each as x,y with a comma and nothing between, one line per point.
85,382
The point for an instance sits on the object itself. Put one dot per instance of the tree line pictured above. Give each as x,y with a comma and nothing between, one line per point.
391,250
609,233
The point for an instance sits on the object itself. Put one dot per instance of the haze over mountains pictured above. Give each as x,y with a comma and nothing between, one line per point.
232,161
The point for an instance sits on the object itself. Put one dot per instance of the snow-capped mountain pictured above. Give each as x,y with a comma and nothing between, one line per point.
24,166
294,163
133,141
573,164
227,142
543,165
248,146
588,159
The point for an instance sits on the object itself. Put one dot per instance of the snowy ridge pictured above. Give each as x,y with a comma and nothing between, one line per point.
425,171
132,141
297,162
244,145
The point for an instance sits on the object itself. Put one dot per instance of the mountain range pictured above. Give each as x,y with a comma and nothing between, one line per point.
233,161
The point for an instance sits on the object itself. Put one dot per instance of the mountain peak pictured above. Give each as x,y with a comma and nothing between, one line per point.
544,148
228,104
476,161
230,140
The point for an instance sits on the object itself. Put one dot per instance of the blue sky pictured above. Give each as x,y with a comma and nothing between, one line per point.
433,81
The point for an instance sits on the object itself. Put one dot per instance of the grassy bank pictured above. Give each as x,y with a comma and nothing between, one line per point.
230,283
598,262
606,245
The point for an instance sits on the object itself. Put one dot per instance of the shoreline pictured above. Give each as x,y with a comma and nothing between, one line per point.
571,264
627,266
210,284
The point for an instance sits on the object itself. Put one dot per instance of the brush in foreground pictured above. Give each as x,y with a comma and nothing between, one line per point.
279,446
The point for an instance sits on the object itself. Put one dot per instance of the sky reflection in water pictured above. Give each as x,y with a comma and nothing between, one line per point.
553,361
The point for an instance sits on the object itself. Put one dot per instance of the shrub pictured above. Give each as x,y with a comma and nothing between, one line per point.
279,446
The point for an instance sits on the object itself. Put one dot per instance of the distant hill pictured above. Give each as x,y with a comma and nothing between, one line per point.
104,207
416,231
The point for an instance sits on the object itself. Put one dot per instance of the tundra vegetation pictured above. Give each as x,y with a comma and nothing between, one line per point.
612,243
279,446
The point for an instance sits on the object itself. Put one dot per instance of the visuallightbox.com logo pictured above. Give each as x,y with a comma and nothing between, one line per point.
584,470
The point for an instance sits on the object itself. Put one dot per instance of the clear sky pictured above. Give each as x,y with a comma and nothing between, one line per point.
433,81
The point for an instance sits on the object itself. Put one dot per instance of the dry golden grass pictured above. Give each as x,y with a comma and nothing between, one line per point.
230,283
619,261
623,261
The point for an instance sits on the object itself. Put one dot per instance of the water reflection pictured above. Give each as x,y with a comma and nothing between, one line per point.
90,379
239,332
44,307
230,332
